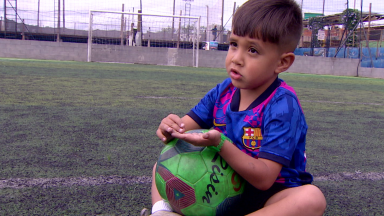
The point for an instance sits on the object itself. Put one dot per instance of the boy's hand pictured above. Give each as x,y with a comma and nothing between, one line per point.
210,138
168,125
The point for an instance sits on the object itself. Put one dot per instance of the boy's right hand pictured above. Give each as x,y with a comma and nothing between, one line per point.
170,123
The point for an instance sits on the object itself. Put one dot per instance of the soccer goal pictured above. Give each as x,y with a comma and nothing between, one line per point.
127,37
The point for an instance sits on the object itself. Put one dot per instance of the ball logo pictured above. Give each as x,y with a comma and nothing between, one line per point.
236,182
215,180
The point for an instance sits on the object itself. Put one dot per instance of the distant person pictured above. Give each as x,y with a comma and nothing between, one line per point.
214,33
134,32
134,36
259,113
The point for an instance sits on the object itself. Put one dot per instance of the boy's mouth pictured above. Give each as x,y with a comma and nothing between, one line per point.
234,74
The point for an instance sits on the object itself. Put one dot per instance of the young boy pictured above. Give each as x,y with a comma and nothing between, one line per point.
259,112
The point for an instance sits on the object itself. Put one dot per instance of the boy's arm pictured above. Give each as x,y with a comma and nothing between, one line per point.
189,123
261,173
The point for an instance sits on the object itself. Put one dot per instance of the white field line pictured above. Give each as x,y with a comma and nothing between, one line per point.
357,175
336,102
308,101
18,183
156,97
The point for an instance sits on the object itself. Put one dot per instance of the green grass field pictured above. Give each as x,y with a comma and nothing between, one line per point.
79,138
373,43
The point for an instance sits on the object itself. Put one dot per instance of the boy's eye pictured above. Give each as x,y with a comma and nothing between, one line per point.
234,44
253,50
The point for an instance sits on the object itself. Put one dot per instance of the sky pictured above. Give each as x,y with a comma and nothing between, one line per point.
77,10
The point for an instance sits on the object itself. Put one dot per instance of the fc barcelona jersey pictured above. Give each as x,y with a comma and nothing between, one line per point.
273,127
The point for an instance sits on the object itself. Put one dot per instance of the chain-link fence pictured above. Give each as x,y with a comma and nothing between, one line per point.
45,19
340,28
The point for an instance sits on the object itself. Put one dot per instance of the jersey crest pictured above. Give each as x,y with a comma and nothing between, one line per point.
252,138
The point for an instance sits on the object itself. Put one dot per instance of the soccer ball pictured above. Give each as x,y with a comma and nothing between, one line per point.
196,180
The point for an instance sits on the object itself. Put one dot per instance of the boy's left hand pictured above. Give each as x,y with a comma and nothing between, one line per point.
210,138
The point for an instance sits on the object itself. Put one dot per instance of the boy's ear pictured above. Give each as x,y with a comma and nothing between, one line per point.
286,61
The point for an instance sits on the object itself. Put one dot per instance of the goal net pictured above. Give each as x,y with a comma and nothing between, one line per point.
126,37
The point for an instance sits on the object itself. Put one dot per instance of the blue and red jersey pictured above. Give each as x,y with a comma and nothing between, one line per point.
273,127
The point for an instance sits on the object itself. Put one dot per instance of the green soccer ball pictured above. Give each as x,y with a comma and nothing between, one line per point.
196,180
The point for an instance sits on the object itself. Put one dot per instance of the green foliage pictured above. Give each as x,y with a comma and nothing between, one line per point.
315,24
350,18
168,29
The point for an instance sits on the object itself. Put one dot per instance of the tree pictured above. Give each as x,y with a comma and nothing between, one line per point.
350,19
315,24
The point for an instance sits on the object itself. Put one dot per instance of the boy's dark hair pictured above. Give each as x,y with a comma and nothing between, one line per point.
276,21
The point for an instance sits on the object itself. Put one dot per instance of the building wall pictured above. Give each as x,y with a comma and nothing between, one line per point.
29,49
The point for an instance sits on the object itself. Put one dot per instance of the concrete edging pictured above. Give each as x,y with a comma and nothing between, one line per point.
28,49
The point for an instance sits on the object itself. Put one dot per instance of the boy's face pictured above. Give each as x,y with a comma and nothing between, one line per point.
251,63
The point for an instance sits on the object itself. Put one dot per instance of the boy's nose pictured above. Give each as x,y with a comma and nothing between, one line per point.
237,58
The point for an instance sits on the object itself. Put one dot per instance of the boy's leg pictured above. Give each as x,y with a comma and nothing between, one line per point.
154,192
161,208
305,200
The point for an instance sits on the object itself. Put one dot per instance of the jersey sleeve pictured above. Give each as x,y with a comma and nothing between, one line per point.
202,113
284,126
